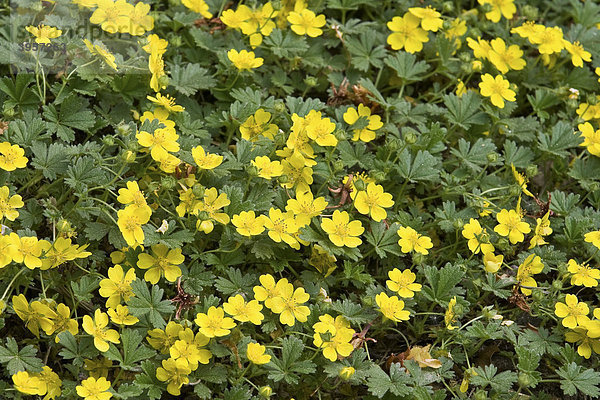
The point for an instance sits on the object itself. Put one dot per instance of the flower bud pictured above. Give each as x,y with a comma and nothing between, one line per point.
418,258
537,295
265,392
503,244
476,65
168,182
198,190
378,176
525,379
108,140
562,269
557,284
311,81
251,170
128,156
481,395
347,373
393,144
514,190
63,225
123,129
465,57
338,165
279,106
410,137
530,12
447,7
458,223
340,135
531,170
283,179
163,81
492,157
359,184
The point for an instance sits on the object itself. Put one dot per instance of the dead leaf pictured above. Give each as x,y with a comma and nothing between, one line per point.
422,356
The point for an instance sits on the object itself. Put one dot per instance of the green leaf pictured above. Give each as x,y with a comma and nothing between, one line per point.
563,203
379,383
28,130
519,156
501,382
73,114
474,156
75,351
286,45
353,312
19,360
289,367
237,393
442,282
133,350
85,172
561,138
191,78
406,66
383,239
353,154
423,167
365,50
464,111
575,378
52,160
149,303
83,288
237,283
127,390
147,380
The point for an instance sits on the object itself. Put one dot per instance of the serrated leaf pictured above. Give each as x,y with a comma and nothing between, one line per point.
561,138
190,78
365,50
465,111
286,45
72,114
406,66
19,360
423,167
576,379
51,160
149,303
380,383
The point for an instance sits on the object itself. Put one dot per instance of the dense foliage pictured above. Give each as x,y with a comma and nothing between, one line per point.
299,199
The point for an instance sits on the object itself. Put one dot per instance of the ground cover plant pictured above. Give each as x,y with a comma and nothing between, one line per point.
320,199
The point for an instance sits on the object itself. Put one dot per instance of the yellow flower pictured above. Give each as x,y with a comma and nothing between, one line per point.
297,171
500,8
248,224
211,204
9,205
241,311
235,18
12,157
160,142
511,225
430,18
583,275
97,328
257,22
461,89
244,60
188,349
591,138
198,6
572,311
162,340
322,260
101,52
117,287
320,129
550,40
62,251
214,323
478,237
526,30
492,262
269,289
305,207
410,240
392,308
281,226
406,33
521,180
138,20
586,344
132,195
130,221
258,125
43,33
27,250
256,354
289,305
306,22
593,238
63,322
497,89
28,384
5,257
267,169
366,134
206,160
35,315
450,316
542,228
167,102
175,373
506,58
403,282
334,339
120,316
481,48
531,266
373,201
578,53
111,15
342,231
163,262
